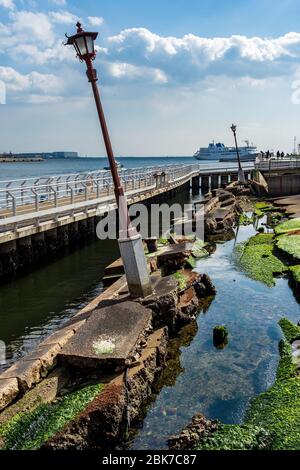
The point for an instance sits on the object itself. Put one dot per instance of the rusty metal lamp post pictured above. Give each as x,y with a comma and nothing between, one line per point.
241,176
130,242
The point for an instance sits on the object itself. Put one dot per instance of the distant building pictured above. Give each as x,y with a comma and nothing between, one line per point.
47,155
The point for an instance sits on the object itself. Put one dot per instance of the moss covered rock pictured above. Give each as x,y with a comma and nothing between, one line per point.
290,331
258,261
233,437
288,226
273,418
295,272
290,245
27,431
220,335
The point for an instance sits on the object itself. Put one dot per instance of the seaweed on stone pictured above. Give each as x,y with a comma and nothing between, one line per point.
288,226
273,418
290,331
295,271
181,279
27,431
290,245
234,437
258,261
244,219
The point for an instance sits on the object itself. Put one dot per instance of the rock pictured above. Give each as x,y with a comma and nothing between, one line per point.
220,336
151,244
103,423
174,257
190,436
9,390
47,354
27,373
109,338
210,225
61,337
296,344
210,288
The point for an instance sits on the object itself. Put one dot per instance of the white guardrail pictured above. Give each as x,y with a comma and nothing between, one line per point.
277,164
40,195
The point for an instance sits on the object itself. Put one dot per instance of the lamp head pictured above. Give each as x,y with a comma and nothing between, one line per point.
83,43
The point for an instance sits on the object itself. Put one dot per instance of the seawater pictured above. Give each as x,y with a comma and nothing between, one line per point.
219,383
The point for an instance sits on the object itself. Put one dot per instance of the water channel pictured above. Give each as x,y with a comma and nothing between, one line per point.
199,377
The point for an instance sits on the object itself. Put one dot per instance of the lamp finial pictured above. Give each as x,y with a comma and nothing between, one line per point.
79,27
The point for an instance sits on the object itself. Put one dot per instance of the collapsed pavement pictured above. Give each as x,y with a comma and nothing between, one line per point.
115,342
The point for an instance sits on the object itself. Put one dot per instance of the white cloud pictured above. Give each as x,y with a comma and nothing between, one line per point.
132,72
34,55
96,20
30,27
34,82
192,58
9,4
63,17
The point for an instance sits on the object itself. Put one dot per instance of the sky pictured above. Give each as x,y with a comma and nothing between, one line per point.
173,75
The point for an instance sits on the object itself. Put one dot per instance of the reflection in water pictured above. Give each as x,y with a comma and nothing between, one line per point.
34,305
220,383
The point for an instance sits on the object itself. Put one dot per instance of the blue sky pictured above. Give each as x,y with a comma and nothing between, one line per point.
173,74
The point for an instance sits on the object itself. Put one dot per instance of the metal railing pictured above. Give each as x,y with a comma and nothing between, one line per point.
277,164
23,199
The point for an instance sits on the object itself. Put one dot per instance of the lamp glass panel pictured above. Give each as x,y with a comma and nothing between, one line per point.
81,45
90,44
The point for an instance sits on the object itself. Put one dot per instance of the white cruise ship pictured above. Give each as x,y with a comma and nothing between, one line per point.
220,152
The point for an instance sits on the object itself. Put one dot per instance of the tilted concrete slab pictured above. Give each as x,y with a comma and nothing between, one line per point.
109,337
9,390
27,373
47,354
174,251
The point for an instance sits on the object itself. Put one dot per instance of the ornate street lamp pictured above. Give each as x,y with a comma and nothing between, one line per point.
130,242
241,176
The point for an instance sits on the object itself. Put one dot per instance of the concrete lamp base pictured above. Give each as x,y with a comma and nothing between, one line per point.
241,176
135,266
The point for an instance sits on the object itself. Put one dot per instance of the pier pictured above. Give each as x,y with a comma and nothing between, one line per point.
37,205
40,216
282,176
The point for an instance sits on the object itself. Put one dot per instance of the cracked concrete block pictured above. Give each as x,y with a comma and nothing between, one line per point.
47,354
61,337
27,373
9,390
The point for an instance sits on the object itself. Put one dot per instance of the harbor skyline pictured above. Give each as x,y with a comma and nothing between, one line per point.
168,76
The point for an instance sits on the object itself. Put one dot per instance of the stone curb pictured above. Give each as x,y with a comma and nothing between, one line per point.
36,365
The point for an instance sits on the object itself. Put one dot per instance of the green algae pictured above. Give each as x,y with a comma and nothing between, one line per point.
199,250
233,437
261,239
28,431
244,219
290,244
181,279
290,331
163,241
288,226
273,418
295,271
278,411
286,368
264,206
261,208
258,260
